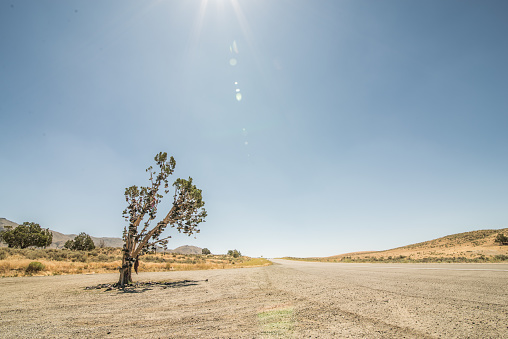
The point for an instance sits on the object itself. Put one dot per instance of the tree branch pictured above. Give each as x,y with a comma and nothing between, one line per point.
147,237
158,241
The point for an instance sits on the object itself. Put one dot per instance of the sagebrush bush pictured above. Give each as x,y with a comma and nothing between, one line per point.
34,267
79,257
36,254
3,254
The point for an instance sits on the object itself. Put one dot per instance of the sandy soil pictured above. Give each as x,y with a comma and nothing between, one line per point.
288,299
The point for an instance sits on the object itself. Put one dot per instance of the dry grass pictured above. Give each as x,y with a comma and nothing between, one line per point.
13,262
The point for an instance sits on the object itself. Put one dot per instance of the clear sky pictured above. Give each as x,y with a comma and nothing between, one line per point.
313,128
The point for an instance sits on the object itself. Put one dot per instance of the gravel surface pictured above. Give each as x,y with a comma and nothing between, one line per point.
288,299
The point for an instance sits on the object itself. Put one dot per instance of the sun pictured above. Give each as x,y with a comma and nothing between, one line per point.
221,6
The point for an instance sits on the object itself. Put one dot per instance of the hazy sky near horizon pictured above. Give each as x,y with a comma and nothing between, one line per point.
313,127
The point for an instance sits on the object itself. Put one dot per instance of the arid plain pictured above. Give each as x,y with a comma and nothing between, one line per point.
288,299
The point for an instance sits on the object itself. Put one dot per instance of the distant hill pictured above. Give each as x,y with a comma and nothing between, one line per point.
186,250
468,245
59,240
4,222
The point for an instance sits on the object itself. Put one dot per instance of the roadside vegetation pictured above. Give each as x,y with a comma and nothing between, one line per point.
483,246
16,262
409,259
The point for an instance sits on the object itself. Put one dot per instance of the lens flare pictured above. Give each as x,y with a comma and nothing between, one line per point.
234,47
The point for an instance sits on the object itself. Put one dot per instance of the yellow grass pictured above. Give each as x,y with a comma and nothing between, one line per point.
15,262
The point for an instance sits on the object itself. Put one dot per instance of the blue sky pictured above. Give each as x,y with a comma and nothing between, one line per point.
362,125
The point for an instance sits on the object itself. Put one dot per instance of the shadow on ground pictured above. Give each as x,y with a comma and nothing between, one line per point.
143,286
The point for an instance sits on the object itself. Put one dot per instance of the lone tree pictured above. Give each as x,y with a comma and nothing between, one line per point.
205,251
185,215
27,234
82,242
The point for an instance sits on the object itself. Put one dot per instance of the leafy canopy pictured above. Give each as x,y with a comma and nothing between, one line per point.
234,253
27,234
82,242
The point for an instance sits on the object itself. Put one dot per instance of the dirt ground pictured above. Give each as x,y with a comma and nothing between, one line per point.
288,299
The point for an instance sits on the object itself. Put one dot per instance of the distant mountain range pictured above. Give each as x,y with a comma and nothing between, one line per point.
59,240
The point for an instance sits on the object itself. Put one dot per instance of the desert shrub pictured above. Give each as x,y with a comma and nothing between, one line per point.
501,257
152,258
234,253
57,255
501,239
148,258
35,254
78,256
34,267
3,255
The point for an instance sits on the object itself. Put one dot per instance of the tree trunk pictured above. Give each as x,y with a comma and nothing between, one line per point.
125,276
125,271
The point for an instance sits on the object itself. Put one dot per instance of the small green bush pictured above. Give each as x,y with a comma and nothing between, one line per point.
34,267
3,255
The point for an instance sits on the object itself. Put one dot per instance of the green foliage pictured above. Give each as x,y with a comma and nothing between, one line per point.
205,251
502,239
82,242
34,267
234,253
25,235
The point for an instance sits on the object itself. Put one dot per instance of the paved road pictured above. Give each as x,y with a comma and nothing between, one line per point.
398,300
288,299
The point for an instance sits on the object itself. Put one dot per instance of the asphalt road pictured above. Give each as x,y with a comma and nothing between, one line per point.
288,299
